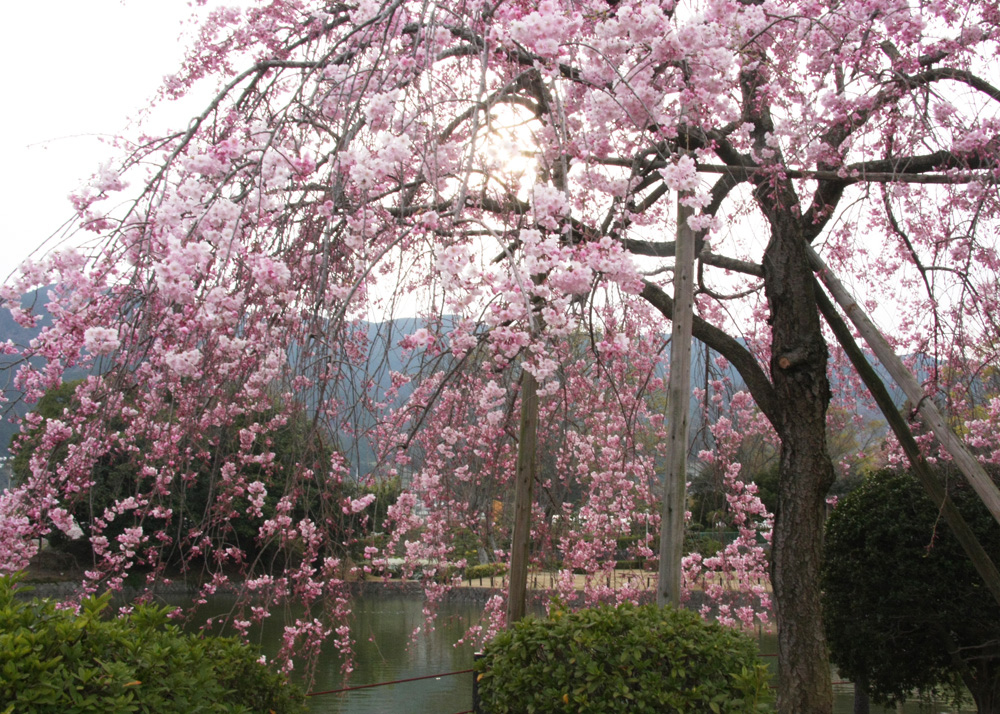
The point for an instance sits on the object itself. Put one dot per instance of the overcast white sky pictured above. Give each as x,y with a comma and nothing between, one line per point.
74,71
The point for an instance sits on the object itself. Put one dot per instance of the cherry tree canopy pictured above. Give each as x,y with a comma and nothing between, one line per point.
507,172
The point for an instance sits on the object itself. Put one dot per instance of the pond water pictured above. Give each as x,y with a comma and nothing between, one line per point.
385,651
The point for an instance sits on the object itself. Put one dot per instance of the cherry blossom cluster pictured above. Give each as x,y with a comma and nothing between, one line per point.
508,174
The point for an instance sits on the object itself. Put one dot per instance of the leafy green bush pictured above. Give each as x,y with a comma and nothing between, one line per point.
904,607
633,564
60,662
707,543
485,570
625,658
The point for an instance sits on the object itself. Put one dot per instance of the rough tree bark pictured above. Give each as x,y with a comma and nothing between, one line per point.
798,372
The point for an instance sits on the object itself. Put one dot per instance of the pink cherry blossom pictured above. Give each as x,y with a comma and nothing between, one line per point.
101,341
349,175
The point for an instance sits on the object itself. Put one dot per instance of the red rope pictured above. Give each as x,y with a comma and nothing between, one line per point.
383,684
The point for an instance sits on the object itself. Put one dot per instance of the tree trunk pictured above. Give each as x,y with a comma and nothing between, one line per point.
986,702
987,696
798,373
862,704
795,401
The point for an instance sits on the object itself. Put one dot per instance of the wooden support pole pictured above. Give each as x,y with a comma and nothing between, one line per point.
527,446
932,484
973,471
679,405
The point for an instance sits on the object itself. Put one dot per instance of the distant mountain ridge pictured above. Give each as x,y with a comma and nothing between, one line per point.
390,359
379,370
11,331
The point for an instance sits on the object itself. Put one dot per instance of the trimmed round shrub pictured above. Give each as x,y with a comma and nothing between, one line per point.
624,658
56,661
485,570
903,606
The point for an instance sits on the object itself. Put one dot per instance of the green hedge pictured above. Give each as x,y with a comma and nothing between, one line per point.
485,570
625,658
903,605
55,661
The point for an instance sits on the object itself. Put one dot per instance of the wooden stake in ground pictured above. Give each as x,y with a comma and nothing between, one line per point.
678,402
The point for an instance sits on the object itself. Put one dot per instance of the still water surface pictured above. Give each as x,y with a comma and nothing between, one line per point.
386,650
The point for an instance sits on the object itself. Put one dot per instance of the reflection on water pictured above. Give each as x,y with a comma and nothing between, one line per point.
385,650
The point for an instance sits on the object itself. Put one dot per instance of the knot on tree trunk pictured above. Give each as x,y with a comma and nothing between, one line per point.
793,358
